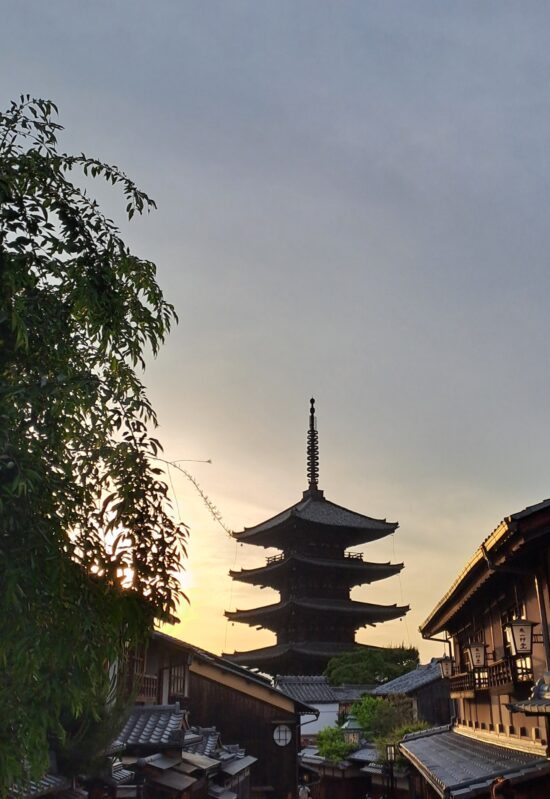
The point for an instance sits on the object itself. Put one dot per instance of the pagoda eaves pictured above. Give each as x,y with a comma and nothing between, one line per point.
362,613
314,514
352,570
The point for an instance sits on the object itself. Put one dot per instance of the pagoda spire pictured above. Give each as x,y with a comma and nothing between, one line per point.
312,452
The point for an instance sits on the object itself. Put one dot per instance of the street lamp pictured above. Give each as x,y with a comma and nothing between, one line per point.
352,730
446,667
476,655
519,634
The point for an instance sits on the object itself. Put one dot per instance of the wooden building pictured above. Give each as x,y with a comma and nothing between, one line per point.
488,615
427,690
315,618
246,709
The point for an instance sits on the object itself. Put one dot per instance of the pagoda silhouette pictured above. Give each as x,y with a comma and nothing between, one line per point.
314,619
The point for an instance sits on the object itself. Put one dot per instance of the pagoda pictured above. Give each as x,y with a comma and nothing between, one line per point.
314,619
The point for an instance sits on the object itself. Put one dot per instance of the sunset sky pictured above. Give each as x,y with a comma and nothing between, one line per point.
353,204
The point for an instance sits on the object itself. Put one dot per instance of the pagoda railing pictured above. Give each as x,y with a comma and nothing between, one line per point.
281,556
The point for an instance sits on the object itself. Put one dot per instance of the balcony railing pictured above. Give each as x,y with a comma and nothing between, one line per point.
276,558
507,671
462,682
354,555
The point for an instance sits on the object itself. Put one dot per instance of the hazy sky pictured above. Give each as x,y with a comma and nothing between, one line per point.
353,204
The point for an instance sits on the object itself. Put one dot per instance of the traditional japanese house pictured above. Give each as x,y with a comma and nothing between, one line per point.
246,709
315,618
332,702
495,618
427,690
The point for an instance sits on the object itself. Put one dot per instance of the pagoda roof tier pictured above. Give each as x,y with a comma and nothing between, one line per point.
358,613
315,513
351,568
311,655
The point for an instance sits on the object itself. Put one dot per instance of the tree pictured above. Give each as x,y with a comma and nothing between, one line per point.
386,720
371,666
332,745
378,716
89,553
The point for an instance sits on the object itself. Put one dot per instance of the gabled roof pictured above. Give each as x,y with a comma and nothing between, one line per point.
411,681
225,664
459,766
351,693
306,688
318,690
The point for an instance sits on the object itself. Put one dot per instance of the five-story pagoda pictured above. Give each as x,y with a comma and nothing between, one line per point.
315,618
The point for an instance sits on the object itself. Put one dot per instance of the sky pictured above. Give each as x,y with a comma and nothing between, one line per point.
353,205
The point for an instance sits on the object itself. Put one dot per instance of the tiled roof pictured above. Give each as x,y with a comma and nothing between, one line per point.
238,764
320,511
538,703
318,689
359,569
351,693
49,783
459,766
156,726
411,681
364,612
367,754
307,689
208,744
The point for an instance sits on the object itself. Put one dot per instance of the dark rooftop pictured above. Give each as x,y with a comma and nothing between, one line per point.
313,688
307,688
351,693
356,567
49,783
320,511
369,611
411,681
459,766
156,726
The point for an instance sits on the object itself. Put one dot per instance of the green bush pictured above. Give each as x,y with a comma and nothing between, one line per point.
332,744
379,716
396,735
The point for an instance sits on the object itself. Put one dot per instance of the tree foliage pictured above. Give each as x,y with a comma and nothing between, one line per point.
332,744
371,666
89,553
379,716
394,736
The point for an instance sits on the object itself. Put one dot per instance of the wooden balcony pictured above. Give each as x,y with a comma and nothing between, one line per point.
500,676
462,686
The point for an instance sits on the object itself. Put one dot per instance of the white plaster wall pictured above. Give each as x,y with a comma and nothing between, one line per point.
328,716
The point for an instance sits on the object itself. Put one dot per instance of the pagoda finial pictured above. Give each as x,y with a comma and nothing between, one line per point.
312,449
